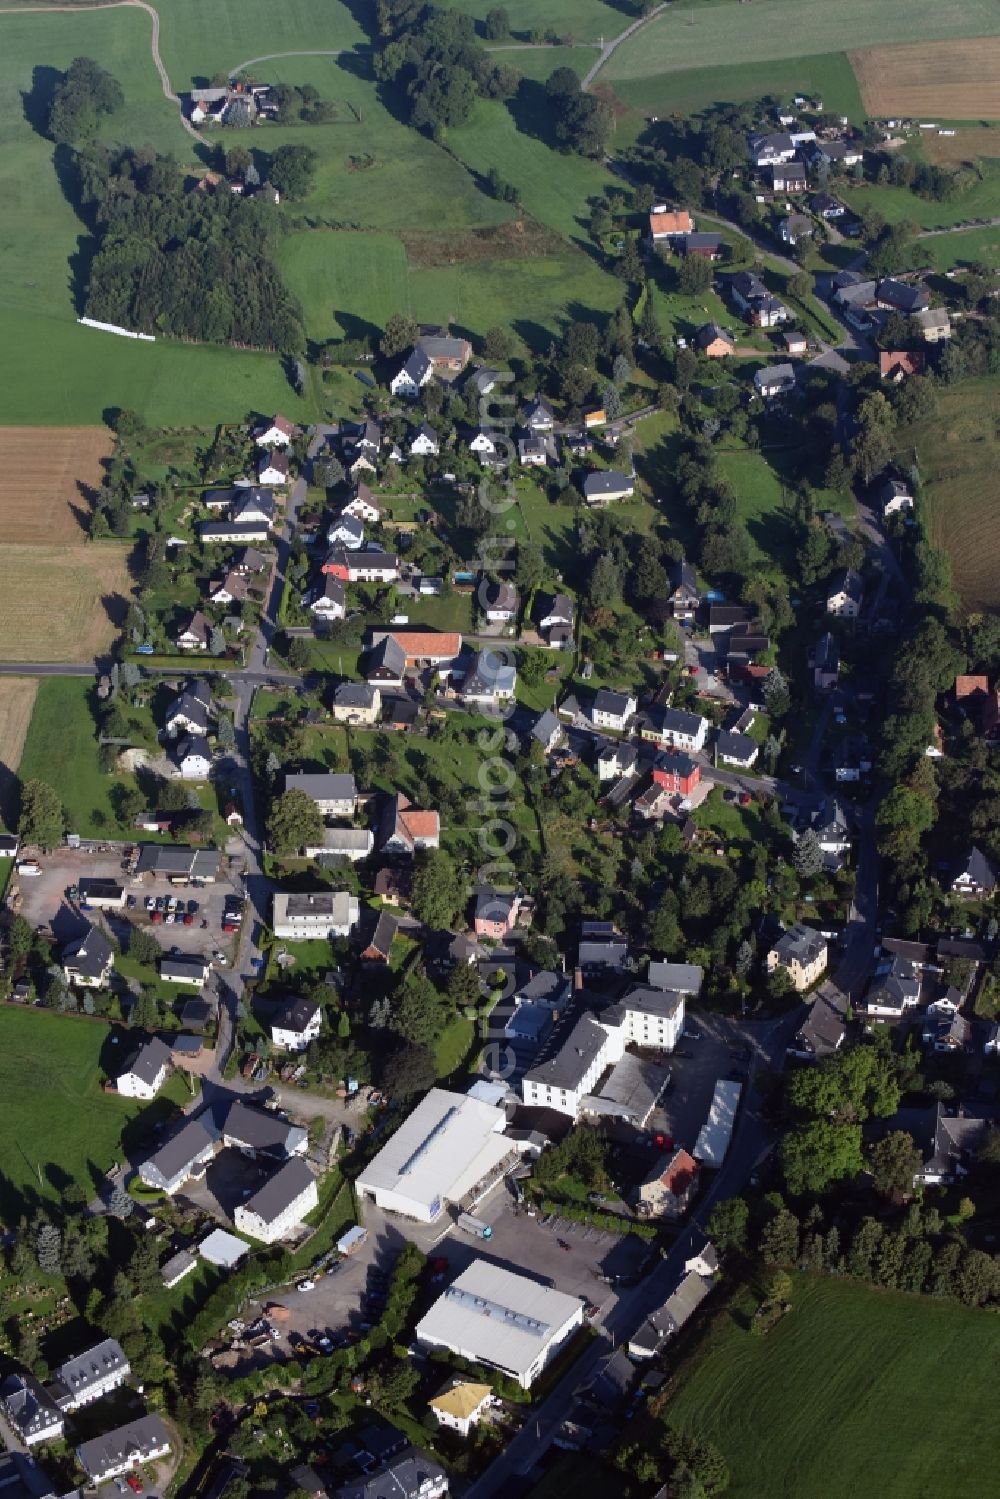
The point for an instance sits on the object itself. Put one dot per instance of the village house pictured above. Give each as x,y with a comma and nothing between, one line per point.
495,914
425,442
893,496
352,844
786,177
142,1440
947,1144
538,416
669,224
184,968
484,445
195,635
674,728
897,364
616,759
32,1414
379,947
548,731
824,662
335,793
346,531
795,341
826,207
702,246
894,989
386,663
802,953
363,506
844,594
774,382
319,915
405,829
146,1070
194,758
491,679
612,710
769,149
414,373
356,703
422,648
272,469
87,962
532,452
329,599
295,1023
189,713
277,1210
901,296
684,596
676,774
461,1403
726,617
90,1375
185,1154
556,621
604,486
670,1186
394,887
976,877
739,750
498,602
935,324
714,342
277,434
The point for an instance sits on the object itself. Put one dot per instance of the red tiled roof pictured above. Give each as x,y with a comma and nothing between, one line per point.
421,643
900,361
676,221
682,1169
970,687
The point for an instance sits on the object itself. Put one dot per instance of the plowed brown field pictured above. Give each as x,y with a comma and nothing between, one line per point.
949,80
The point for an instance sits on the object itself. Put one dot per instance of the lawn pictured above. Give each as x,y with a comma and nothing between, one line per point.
452,1046
828,76
57,1126
844,1398
61,748
581,20
683,38
540,62
66,374
198,40
963,247
981,200
959,455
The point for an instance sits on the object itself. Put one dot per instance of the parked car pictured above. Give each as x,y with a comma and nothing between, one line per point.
134,1483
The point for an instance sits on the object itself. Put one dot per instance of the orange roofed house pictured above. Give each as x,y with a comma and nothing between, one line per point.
667,223
405,829
897,364
424,647
667,1191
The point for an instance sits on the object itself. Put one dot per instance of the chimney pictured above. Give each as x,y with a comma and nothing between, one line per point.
578,979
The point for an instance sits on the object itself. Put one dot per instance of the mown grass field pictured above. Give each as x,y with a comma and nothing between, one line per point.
56,1125
679,39
980,200
198,40
61,749
963,247
844,1399
64,374
827,76
959,455
582,20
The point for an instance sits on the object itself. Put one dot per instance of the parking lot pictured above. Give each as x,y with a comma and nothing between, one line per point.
47,907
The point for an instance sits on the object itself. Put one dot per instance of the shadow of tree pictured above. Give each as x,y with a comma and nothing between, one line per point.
37,101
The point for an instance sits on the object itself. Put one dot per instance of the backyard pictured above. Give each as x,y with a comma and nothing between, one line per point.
57,1126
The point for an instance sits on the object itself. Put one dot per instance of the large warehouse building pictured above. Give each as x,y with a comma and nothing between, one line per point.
451,1149
492,1316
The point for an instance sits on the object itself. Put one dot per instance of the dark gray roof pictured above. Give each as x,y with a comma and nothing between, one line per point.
90,955
27,1405
609,481
388,655
800,943
902,296
384,934
104,1454
354,695
187,966
685,978
739,747
280,1190
416,365
406,1476
978,869
495,905
258,1129
80,1373
328,786
684,580
607,701
173,1158
569,1065
650,1001
849,582
178,859
545,725
823,1029
148,1061
296,1013
676,721
709,332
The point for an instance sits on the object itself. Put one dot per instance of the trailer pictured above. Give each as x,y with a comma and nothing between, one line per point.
474,1226
351,1241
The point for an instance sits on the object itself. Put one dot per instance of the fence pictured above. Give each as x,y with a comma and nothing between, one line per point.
89,322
